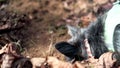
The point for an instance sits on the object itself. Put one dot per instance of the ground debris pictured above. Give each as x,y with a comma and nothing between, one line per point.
11,24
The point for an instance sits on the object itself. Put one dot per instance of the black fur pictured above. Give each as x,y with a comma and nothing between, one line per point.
95,35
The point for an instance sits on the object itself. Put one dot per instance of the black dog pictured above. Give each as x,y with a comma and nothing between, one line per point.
75,47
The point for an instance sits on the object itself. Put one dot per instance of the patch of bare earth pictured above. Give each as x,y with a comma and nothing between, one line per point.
45,17
47,20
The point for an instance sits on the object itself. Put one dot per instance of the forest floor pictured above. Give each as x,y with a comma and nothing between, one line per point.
42,21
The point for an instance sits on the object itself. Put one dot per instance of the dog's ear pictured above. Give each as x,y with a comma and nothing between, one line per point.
67,49
73,31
